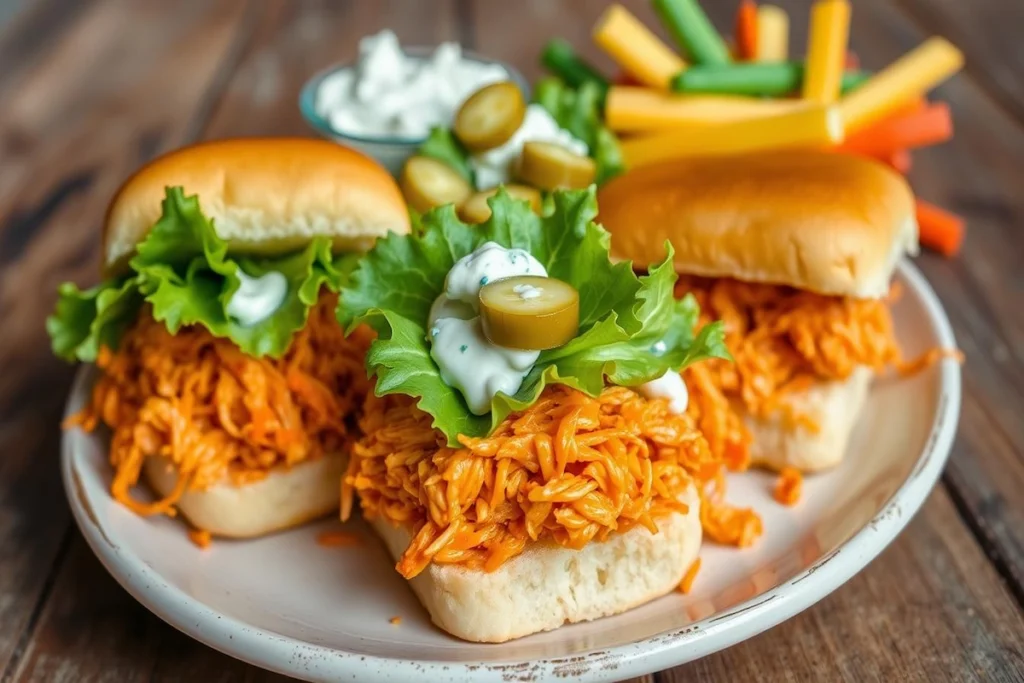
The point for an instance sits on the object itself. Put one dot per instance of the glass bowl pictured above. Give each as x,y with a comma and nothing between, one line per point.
389,151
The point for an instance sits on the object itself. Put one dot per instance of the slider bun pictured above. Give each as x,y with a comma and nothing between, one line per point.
547,585
265,196
834,406
825,222
285,498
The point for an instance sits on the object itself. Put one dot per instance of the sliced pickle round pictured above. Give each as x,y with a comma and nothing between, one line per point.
529,312
551,166
427,183
476,210
490,116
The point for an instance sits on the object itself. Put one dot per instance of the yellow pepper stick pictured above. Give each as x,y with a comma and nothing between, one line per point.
636,49
772,34
812,126
633,109
903,81
826,50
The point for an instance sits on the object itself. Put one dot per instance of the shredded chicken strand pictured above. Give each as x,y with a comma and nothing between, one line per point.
217,414
570,470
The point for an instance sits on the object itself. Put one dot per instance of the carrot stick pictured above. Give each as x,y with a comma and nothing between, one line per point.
852,61
746,30
899,160
939,229
911,107
927,126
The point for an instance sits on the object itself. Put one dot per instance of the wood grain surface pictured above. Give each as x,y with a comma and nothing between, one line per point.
89,90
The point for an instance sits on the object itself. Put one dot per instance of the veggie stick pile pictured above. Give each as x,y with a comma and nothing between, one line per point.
709,98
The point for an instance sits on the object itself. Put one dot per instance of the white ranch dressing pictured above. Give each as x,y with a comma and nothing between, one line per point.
257,298
494,166
489,263
472,364
528,292
468,361
388,93
670,386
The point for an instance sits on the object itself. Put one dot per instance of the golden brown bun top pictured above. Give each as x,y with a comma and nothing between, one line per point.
264,195
825,222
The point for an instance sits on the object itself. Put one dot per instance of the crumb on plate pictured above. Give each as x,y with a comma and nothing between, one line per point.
789,486
200,537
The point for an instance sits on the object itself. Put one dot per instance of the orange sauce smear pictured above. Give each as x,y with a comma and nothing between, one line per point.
337,539
687,583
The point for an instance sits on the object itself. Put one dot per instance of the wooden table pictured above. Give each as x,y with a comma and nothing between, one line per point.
91,90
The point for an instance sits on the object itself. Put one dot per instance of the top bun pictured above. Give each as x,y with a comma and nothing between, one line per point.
825,222
264,195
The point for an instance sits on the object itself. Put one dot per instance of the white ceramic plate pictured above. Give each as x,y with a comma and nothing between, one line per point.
321,613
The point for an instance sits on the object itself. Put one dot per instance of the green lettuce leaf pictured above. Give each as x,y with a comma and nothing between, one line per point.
183,270
442,145
579,112
632,329
86,320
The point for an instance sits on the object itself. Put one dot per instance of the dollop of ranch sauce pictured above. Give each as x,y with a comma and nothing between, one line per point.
257,298
527,292
468,361
670,386
494,166
489,263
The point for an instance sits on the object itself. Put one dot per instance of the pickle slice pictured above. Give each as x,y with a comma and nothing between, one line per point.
427,183
475,209
529,312
490,116
550,166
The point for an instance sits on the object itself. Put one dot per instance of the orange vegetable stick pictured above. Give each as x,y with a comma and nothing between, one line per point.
746,30
852,61
939,229
914,105
910,76
926,126
899,160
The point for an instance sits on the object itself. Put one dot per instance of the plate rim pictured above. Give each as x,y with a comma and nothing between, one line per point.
294,657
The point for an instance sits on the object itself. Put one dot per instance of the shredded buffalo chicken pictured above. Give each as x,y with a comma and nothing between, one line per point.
218,414
782,340
569,469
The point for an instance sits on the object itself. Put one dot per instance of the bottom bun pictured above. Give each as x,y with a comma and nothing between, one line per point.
834,406
547,585
286,497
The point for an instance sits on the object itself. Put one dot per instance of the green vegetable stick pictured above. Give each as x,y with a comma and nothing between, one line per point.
547,92
562,60
753,78
687,23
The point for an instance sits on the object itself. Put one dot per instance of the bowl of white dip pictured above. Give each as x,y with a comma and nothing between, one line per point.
385,103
